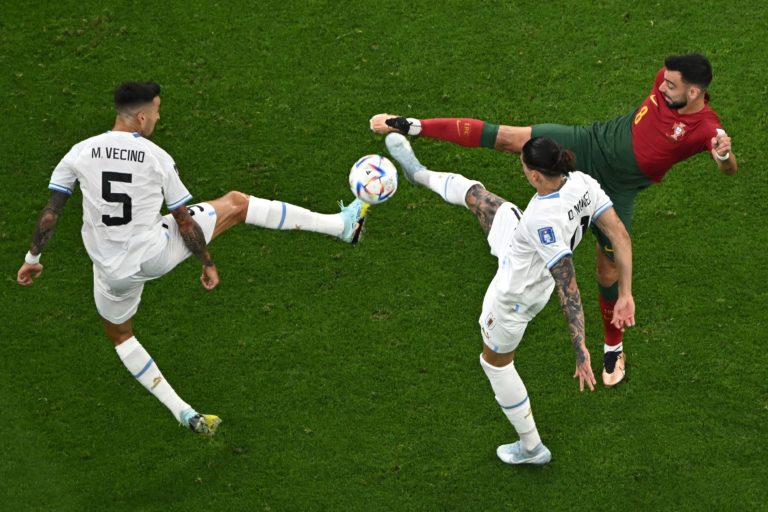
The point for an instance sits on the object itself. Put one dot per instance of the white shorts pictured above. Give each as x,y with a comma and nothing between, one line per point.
502,325
117,300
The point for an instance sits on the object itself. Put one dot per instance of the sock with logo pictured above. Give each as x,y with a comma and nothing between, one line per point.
451,187
462,131
607,298
513,399
281,215
143,368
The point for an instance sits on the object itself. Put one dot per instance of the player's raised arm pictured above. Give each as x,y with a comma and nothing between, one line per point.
624,309
46,224
570,302
194,239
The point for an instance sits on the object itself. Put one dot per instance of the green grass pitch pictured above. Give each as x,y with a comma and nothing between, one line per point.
347,378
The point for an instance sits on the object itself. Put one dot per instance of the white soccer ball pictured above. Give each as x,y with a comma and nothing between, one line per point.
373,179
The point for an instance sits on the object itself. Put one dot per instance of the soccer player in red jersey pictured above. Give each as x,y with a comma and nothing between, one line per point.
625,155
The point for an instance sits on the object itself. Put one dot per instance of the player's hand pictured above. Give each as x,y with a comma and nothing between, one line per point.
624,313
721,144
379,124
209,277
27,272
584,370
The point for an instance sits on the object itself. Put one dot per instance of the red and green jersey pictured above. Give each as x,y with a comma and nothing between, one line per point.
661,136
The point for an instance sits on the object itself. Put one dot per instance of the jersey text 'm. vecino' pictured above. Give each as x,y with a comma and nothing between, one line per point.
129,155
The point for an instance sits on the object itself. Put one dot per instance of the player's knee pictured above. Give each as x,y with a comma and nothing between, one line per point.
512,138
237,200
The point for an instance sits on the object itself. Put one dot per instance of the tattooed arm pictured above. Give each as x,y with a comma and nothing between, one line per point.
624,309
46,224
570,302
194,239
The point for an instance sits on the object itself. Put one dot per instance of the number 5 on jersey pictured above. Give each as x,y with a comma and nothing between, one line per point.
106,192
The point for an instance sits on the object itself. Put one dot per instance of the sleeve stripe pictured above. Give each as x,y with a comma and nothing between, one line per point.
180,202
558,257
60,188
602,209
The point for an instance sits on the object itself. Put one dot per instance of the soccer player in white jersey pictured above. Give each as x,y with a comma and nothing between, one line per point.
534,249
124,179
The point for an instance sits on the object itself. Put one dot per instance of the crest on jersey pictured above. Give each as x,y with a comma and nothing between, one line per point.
678,130
547,235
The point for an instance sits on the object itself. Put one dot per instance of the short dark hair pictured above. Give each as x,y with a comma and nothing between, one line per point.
694,67
546,156
134,94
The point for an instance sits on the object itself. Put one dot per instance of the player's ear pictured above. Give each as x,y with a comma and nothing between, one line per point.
694,92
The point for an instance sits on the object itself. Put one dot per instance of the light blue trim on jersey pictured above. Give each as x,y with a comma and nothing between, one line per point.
518,404
553,195
136,135
282,216
146,367
180,202
562,254
602,209
60,188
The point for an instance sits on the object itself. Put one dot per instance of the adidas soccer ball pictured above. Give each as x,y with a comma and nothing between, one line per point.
373,179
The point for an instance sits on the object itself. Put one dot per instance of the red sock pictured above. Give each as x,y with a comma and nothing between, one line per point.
613,336
462,131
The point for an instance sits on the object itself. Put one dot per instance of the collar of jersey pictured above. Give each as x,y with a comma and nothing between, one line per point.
136,135
555,194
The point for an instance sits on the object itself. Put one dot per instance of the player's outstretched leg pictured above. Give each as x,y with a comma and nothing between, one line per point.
458,130
236,207
346,225
451,187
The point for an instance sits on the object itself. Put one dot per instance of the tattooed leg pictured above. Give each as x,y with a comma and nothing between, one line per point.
484,205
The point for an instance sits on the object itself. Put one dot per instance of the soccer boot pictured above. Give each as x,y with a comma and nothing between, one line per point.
515,454
613,368
354,217
204,424
401,150
387,123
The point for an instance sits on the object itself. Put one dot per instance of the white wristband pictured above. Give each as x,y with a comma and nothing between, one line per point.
32,259
724,157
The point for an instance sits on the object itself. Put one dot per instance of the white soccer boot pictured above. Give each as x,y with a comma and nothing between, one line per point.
515,454
401,150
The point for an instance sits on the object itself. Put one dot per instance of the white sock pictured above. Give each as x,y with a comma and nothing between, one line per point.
513,399
613,348
451,187
415,127
143,367
280,215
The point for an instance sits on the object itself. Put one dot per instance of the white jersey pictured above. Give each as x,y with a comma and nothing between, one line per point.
124,179
529,244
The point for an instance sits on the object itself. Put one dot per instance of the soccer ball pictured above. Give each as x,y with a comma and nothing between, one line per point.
373,179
